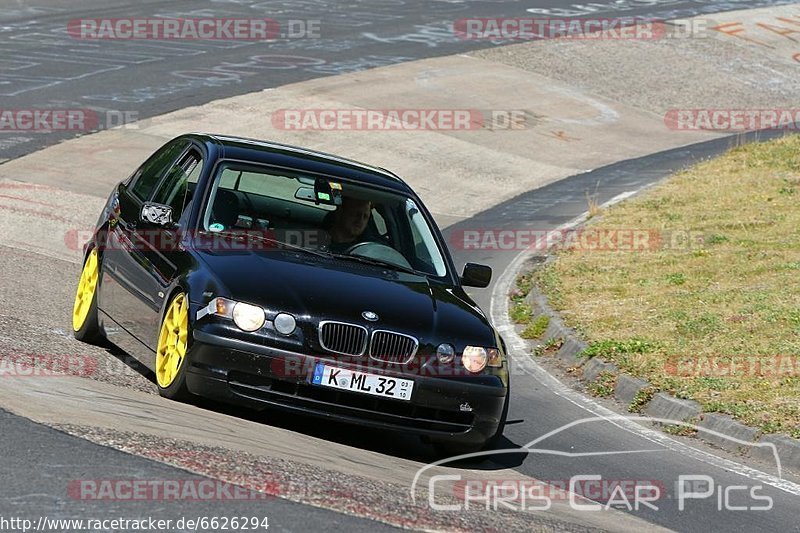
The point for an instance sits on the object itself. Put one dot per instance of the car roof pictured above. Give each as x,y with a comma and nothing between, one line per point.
272,153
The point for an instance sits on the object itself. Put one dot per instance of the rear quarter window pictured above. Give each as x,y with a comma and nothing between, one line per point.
153,169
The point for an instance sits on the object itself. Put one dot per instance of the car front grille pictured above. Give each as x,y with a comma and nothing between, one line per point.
341,338
392,347
352,339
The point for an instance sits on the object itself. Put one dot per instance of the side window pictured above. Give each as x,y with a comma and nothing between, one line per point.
424,243
154,168
178,185
419,245
230,179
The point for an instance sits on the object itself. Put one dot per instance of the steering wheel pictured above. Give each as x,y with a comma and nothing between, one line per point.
355,247
382,252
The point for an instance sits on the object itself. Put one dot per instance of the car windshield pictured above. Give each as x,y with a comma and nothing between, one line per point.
323,215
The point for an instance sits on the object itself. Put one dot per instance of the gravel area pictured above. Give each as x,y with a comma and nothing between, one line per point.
35,329
299,482
33,349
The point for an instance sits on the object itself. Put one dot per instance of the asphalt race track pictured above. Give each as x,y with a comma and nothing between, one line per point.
53,454
42,67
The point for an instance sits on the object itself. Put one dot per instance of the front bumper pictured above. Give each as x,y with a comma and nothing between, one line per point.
259,376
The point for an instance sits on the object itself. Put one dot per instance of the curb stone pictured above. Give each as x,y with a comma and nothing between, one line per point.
788,450
628,388
662,405
593,369
727,425
570,350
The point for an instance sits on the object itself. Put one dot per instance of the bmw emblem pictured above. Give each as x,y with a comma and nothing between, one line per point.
369,315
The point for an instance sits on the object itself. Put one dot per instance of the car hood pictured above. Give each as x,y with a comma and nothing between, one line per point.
317,288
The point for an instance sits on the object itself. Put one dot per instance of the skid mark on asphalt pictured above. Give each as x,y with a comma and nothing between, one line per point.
773,31
42,220
40,287
29,349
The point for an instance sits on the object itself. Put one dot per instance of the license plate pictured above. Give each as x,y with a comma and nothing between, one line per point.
350,380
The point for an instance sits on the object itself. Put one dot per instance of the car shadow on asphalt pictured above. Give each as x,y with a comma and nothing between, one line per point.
133,363
387,442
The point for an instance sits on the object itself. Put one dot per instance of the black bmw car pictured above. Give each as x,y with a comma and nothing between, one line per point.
272,276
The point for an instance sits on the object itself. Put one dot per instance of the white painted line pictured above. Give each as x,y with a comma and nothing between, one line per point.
618,198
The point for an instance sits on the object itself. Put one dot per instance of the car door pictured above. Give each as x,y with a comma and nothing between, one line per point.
142,256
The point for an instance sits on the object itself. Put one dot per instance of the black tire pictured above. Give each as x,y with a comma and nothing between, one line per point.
178,391
91,332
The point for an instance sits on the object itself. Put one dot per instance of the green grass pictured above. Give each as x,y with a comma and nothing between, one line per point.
536,328
550,346
604,385
722,283
524,284
610,349
520,313
641,399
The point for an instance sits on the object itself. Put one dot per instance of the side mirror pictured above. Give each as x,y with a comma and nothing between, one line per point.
476,275
156,214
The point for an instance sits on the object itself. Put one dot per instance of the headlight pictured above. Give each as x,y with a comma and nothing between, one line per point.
495,360
284,323
248,317
474,358
445,353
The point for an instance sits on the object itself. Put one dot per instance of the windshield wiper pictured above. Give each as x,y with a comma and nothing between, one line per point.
377,262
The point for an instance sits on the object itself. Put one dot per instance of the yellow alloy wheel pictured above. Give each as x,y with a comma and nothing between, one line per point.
172,341
85,294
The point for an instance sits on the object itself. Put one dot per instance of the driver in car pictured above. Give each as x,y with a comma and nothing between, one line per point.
349,222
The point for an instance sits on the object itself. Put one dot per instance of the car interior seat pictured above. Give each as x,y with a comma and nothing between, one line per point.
226,209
